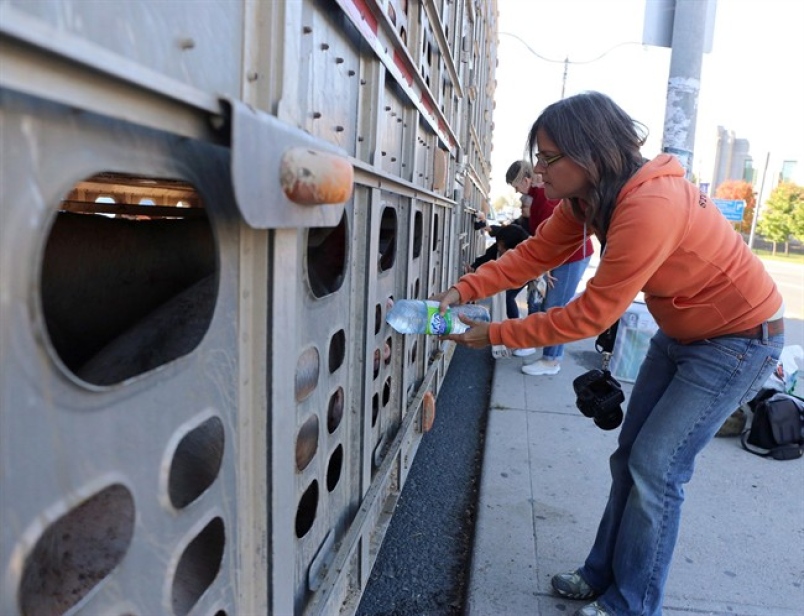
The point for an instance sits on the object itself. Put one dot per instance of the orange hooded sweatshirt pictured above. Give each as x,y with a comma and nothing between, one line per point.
666,239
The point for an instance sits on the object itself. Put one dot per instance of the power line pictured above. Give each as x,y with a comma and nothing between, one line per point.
566,61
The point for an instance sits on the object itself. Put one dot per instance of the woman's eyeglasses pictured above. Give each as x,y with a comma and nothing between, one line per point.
546,161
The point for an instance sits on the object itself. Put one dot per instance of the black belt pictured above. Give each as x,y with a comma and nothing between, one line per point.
774,327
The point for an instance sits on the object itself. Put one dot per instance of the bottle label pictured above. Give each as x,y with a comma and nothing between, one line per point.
437,324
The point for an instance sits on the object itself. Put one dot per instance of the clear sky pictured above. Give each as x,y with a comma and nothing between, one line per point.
752,83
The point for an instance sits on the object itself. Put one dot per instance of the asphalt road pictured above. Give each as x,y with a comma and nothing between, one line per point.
423,563
789,277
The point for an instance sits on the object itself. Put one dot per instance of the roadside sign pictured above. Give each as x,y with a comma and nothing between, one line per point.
732,209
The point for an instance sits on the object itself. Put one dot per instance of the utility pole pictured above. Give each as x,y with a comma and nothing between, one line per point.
688,40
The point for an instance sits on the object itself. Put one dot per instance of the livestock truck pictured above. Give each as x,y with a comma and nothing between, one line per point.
207,208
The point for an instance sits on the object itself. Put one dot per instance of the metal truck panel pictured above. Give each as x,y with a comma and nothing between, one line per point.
206,212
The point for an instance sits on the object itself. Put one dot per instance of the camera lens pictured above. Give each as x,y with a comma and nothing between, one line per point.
610,420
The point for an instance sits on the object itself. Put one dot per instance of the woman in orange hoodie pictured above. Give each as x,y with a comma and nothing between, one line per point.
719,315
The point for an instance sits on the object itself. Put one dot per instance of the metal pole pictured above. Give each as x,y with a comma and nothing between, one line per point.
689,28
758,203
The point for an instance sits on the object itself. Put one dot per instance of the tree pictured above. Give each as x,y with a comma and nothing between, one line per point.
739,189
783,214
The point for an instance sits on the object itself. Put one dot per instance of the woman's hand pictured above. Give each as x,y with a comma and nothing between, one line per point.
476,337
446,298
551,280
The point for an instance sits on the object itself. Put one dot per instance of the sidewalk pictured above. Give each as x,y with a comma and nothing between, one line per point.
544,485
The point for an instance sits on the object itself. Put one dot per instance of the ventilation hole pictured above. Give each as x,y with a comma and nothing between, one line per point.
375,409
377,319
126,288
334,468
337,350
377,362
335,410
305,514
388,234
77,552
306,373
416,288
326,258
196,462
417,235
198,566
307,442
387,351
413,351
435,232
386,391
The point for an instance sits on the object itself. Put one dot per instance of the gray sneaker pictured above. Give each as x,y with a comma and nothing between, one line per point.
573,586
593,609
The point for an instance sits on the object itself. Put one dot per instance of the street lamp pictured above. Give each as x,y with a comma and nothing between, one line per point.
566,61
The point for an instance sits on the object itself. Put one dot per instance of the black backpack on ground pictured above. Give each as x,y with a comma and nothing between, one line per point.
777,426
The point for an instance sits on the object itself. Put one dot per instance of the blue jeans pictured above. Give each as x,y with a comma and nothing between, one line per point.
682,395
511,306
567,278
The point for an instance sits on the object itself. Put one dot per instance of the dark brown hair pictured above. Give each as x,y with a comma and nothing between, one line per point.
593,131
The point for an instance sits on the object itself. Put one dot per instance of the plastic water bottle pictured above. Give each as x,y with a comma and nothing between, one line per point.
410,316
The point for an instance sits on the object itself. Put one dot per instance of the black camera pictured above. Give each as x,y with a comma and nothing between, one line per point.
598,395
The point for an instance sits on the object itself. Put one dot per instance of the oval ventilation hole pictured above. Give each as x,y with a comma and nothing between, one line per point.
198,567
337,350
387,351
334,468
386,392
377,318
307,442
326,258
388,233
413,350
377,362
196,462
417,235
416,288
305,514
128,277
435,232
307,368
335,410
77,552
375,409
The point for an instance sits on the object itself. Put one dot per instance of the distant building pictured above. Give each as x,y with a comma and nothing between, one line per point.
788,169
732,159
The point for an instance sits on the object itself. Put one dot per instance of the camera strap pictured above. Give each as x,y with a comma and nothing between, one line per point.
605,344
605,341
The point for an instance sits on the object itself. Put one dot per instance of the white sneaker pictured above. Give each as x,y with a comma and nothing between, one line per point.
523,352
542,367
